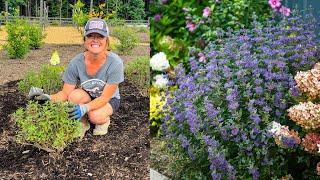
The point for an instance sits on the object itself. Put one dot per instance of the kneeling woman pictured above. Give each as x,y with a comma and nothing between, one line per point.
98,72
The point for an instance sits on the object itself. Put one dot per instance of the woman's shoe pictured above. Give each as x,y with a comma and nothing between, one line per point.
102,129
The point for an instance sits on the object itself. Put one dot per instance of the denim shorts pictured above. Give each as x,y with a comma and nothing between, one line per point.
115,104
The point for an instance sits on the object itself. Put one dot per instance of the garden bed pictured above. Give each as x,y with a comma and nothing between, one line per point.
122,153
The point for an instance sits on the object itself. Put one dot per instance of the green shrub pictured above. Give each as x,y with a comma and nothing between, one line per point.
115,22
48,78
55,23
35,35
143,30
128,39
17,42
138,72
46,126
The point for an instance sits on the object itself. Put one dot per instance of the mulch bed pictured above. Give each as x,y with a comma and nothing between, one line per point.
121,154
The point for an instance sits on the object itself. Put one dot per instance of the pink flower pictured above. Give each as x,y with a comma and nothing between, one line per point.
285,11
202,57
157,17
191,26
206,12
274,3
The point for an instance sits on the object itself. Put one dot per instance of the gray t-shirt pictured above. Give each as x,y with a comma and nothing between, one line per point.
110,73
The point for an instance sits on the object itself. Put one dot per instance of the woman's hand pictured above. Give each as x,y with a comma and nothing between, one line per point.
78,111
36,93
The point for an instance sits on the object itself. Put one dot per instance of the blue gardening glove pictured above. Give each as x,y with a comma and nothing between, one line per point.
36,93
78,111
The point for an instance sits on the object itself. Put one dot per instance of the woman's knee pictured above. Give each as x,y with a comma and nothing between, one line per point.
100,116
97,118
79,96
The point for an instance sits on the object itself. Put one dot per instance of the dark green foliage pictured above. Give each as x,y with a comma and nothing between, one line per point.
135,9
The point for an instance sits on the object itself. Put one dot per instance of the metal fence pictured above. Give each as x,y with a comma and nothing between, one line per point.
69,22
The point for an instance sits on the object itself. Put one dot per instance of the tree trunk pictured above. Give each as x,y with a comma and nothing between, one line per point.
60,10
91,5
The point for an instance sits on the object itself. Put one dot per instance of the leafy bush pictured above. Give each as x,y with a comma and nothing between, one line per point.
17,42
35,35
137,71
22,35
128,39
48,78
114,21
46,126
219,114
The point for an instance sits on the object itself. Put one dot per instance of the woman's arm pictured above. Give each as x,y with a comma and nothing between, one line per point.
63,95
102,100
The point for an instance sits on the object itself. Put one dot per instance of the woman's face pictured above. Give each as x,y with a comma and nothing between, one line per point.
95,43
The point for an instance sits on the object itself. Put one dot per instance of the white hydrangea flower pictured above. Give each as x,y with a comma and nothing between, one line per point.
275,129
318,148
160,81
55,59
159,62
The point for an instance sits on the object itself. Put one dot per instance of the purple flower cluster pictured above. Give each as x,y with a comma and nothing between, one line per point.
243,85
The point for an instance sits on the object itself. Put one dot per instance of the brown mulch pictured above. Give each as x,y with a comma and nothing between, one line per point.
122,154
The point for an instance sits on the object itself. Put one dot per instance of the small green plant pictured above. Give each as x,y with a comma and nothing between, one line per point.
128,39
138,71
55,23
46,126
143,30
48,78
36,35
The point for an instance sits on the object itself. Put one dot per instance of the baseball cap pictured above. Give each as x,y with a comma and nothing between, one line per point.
96,25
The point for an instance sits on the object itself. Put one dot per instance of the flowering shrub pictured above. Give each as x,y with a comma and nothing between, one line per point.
306,114
48,79
219,114
283,136
311,143
185,25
